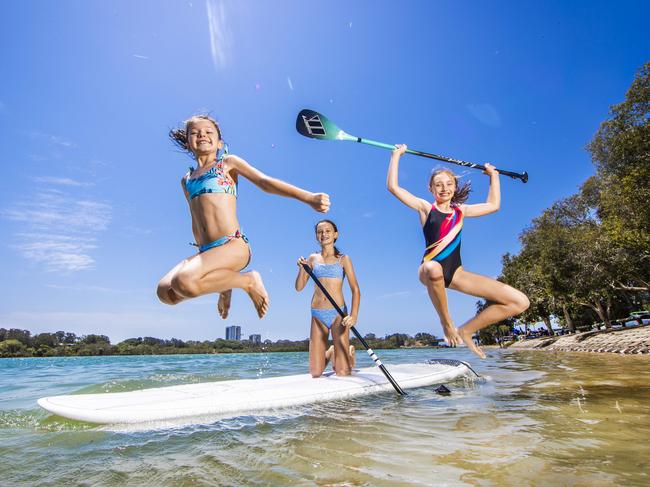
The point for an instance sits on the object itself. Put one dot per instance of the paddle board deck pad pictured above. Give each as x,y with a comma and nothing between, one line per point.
237,397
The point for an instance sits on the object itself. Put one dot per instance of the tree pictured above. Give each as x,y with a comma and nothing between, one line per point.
620,151
23,336
397,339
70,339
426,338
151,341
12,348
95,339
523,272
493,333
45,339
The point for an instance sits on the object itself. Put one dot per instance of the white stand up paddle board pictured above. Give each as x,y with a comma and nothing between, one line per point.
237,397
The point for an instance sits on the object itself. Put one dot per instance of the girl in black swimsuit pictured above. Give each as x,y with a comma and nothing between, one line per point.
441,267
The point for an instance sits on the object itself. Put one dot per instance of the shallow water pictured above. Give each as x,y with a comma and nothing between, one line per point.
539,419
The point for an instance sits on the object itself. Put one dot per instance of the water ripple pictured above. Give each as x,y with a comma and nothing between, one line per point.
554,419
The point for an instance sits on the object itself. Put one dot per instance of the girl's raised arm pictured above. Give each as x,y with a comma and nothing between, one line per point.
493,201
351,319
318,201
418,204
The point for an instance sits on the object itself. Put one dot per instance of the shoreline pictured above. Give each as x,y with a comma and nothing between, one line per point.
626,341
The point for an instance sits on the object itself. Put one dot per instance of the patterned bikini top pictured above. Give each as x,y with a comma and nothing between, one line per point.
215,180
334,271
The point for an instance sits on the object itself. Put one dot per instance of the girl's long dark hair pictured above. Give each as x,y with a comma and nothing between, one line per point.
462,191
179,135
337,252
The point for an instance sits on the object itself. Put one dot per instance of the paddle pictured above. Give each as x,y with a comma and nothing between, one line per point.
317,126
356,333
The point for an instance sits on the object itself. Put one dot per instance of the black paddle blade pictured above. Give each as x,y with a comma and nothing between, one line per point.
316,126
442,390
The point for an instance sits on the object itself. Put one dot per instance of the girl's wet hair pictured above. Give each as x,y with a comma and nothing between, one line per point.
179,135
337,252
461,192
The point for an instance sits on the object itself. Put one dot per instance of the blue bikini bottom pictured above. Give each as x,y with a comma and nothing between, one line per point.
223,241
327,316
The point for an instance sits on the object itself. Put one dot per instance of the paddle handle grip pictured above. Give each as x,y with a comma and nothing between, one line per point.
372,354
521,176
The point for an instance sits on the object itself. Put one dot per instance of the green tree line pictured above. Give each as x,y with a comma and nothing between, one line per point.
586,258
21,343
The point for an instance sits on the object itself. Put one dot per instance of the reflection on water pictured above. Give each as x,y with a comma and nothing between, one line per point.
540,419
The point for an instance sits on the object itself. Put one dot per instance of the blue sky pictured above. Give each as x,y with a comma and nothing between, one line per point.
91,211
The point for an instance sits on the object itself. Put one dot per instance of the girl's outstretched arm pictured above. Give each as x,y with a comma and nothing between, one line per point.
418,204
302,277
493,201
318,201
351,319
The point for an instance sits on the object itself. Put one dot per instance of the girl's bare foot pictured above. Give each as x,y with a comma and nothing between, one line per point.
466,335
223,305
258,294
451,335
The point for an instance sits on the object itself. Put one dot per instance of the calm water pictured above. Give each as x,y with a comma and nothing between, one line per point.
538,419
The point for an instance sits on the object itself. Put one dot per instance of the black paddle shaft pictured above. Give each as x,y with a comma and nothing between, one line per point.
372,354
521,176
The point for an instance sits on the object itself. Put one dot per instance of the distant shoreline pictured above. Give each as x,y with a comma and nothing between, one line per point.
238,352
626,341
16,343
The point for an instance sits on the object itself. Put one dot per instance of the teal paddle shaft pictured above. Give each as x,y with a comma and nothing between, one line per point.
372,354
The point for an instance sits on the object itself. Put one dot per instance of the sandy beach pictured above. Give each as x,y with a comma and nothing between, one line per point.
623,341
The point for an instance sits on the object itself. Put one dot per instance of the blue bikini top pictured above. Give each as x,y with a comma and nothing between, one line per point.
334,271
215,180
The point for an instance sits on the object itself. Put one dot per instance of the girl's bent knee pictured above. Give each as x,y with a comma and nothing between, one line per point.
431,273
524,303
163,294
521,302
316,370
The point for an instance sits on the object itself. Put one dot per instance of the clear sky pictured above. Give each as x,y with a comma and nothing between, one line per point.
91,210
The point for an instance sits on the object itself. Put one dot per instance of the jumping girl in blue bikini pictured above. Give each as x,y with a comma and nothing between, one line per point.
330,267
441,266
211,192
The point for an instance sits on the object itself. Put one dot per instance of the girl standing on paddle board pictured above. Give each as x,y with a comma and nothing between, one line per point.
330,266
441,266
211,192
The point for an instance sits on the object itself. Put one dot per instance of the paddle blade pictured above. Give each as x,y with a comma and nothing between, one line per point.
317,126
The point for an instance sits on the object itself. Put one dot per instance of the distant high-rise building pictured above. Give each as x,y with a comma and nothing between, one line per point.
233,332
255,339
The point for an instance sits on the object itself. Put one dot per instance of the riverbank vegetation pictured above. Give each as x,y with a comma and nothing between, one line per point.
586,258
21,343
